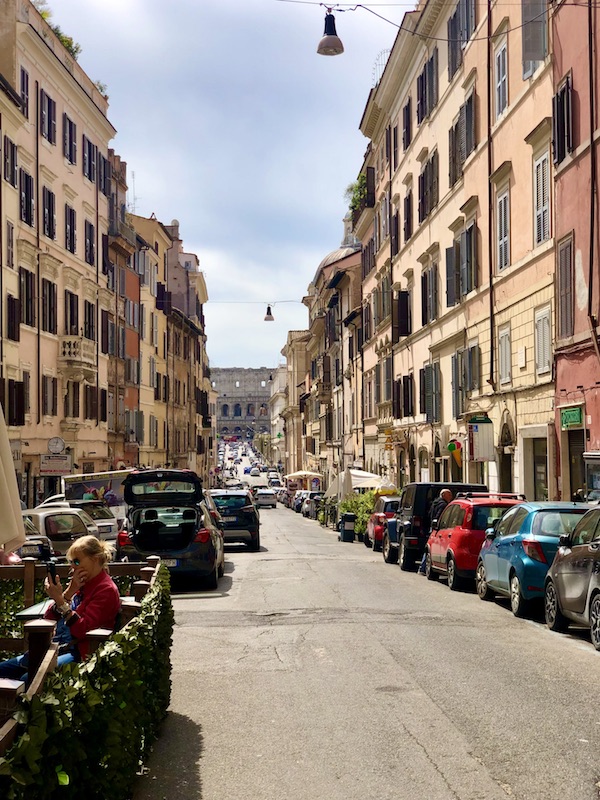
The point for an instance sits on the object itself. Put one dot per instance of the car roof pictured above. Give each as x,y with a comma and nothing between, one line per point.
389,497
215,492
555,505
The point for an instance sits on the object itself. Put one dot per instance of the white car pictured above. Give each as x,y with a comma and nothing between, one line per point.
265,498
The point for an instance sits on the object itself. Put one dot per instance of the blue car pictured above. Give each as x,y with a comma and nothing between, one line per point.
518,550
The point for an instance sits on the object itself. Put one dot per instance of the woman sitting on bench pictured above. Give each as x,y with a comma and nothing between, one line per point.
91,600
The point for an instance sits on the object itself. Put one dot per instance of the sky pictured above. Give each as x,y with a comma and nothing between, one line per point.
231,123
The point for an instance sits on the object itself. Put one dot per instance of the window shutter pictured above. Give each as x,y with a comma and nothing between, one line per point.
474,358
565,289
422,391
424,305
464,264
434,291
370,187
462,135
396,395
429,392
436,391
404,320
455,383
450,277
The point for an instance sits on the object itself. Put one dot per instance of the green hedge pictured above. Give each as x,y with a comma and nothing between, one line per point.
88,733
362,505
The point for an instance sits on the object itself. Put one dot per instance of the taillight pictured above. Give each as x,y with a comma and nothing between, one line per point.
416,522
123,538
246,508
534,550
202,536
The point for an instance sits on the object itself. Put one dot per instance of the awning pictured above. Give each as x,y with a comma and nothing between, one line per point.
12,531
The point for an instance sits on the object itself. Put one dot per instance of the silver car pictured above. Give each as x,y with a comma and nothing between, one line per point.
265,498
61,525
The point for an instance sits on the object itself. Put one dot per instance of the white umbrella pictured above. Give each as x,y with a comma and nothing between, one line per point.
347,484
332,489
12,530
303,473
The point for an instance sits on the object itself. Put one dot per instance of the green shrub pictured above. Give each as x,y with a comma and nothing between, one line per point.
362,505
89,731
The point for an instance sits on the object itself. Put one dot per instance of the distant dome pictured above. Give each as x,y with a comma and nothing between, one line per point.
336,255
174,222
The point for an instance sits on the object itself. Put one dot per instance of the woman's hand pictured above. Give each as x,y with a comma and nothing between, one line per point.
54,590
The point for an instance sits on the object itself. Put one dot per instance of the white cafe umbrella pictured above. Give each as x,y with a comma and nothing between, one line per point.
12,530
347,484
303,473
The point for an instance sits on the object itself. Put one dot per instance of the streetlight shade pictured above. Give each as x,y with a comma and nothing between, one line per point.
330,44
269,316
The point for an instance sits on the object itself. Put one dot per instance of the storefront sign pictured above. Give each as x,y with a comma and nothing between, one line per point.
55,466
571,417
15,448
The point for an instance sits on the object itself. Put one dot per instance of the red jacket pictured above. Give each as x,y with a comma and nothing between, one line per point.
99,604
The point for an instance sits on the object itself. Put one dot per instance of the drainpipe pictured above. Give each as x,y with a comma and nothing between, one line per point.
592,319
37,230
2,273
491,380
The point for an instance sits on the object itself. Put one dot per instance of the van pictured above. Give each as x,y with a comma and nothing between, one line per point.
406,534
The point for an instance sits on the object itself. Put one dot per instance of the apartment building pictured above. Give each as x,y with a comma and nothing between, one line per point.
277,404
577,354
54,192
458,251
297,365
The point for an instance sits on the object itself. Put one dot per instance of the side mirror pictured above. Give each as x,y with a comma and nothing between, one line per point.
564,540
490,534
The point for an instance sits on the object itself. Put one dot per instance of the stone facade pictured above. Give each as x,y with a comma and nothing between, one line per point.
242,401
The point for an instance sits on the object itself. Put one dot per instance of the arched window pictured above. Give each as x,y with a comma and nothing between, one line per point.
237,410
225,411
250,411
262,411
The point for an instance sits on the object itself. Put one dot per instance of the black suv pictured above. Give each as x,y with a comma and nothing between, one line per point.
241,521
405,536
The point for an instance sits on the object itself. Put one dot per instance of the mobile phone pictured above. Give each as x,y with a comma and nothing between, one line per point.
51,569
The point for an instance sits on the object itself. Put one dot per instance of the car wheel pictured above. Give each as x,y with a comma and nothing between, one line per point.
430,573
518,603
255,543
221,571
483,590
595,621
390,554
376,546
366,541
454,580
406,562
555,619
212,580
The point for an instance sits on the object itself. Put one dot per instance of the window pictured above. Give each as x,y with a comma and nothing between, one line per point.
401,316
49,208
10,162
461,27
562,122
105,176
47,117
542,342
429,294
428,187
501,80
90,155
69,140
90,243
403,400
70,229
13,321
565,288
89,320
10,245
72,400
430,394
27,296
465,377
27,204
408,220
427,87
541,191
462,268
49,306
49,396
27,391
504,355
407,124
25,92
71,314
90,404
462,138
534,35
503,230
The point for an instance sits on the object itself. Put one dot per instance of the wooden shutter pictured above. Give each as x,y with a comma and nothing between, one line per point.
404,318
542,199
429,392
424,299
370,187
455,387
450,277
422,392
565,289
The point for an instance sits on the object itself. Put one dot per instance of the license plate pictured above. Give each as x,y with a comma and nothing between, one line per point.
169,562
229,519
32,550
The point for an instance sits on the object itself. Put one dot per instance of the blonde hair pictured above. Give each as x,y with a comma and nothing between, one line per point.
93,548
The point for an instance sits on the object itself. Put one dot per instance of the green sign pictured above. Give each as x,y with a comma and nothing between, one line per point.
571,417
479,418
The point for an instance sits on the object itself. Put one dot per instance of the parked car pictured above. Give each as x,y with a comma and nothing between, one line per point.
386,506
265,498
98,510
247,470
241,519
61,525
37,545
298,499
167,517
455,541
519,549
311,504
255,472
406,534
572,588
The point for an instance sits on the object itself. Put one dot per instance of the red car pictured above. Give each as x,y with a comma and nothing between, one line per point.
454,545
385,508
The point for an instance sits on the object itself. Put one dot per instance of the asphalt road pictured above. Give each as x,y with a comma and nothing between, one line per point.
318,671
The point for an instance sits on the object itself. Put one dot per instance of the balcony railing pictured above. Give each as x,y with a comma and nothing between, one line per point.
117,227
77,349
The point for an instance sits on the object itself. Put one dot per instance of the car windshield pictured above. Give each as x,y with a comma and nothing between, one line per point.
230,502
485,516
97,512
555,523
164,487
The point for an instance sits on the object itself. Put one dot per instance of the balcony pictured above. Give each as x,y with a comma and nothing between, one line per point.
77,358
122,236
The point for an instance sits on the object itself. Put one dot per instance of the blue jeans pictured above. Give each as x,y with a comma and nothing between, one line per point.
16,668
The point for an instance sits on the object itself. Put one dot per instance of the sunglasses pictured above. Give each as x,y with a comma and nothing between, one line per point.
74,562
